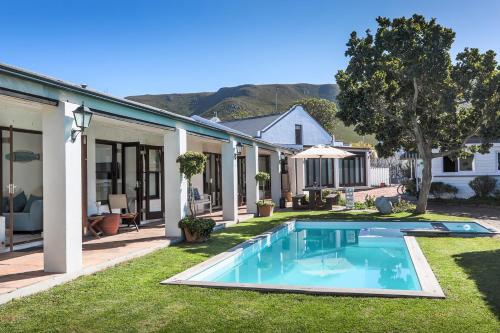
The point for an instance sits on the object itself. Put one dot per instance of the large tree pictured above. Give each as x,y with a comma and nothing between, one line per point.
323,110
401,85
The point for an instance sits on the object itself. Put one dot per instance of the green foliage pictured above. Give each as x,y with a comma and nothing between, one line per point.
483,186
360,205
410,186
402,86
262,177
191,163
262,203
438,189
201,226
370,201
324,111
402,206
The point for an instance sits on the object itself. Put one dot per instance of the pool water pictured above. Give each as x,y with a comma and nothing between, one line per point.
328,254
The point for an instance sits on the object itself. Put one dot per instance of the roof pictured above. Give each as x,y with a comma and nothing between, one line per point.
252,125
64,85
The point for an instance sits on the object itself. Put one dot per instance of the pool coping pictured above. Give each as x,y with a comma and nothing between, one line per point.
428,281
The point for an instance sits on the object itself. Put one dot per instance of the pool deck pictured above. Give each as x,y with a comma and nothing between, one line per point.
428,281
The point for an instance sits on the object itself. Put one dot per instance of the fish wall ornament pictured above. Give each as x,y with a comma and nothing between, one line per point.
23,156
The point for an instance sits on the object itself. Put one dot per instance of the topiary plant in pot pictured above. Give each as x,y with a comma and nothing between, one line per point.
196,229
261,178
266,208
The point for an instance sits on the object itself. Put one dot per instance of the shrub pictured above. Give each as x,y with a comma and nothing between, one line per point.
440,188
360,205
262,203
203,227
403,206
370,201
483,186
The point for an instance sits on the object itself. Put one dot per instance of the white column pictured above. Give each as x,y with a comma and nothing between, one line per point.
62,192
300,175
252,167
336,172
275,176
176,205
91,175
229,182
291,175
368,169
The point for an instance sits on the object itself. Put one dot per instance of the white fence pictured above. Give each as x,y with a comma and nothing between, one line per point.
378,176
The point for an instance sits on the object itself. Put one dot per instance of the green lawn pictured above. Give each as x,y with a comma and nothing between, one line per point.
129,298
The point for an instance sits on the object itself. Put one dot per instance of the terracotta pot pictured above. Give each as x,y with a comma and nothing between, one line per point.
192,238
110,224
265,211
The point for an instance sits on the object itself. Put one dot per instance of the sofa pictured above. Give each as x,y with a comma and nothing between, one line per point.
29,218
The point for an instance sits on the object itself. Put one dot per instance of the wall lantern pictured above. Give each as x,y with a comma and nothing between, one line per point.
82,116
238,149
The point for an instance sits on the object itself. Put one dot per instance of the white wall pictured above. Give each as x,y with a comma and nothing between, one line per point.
378,176
283,132
483,165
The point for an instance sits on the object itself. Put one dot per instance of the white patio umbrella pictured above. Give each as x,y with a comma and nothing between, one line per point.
320,152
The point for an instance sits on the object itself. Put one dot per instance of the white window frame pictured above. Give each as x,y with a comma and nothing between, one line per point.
458,166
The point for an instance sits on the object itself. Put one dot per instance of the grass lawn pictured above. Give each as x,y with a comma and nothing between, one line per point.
129,298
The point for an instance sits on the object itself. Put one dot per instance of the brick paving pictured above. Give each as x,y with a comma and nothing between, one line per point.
388,191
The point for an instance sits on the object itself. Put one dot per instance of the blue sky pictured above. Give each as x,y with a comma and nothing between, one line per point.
137,47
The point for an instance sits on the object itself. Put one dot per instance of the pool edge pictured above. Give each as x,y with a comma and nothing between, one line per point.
428,281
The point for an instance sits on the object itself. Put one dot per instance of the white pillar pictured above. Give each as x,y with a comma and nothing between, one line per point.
291,175
336,172
368,169
229,182
275,176
300,175
252,167
62,192
91,175
176,205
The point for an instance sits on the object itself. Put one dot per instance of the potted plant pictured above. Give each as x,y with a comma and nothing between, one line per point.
195,229
266,208
261,178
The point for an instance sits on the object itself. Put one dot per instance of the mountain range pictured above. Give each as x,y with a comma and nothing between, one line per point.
247,100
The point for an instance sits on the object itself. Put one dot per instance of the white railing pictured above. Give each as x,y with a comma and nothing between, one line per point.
378,176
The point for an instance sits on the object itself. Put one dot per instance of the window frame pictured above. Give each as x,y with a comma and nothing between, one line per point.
457,163
301,136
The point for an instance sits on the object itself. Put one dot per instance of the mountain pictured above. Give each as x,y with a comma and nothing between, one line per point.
246,101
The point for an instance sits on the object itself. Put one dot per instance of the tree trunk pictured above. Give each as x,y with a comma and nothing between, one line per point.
425,186
191,199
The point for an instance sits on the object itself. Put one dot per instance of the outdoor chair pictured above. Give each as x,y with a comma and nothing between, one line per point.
202,200
120,202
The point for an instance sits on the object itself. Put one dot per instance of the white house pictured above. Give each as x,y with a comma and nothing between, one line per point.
61,169
459,172
297,129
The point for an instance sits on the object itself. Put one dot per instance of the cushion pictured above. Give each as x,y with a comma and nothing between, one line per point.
19,202
196,194
30,201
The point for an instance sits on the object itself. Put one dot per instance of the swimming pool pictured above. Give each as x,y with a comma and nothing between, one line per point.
368,258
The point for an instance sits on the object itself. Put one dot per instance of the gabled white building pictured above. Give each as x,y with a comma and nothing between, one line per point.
297,129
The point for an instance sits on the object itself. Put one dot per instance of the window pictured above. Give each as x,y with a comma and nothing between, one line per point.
498,161
298,134
465,164
449,165
312,172
458,164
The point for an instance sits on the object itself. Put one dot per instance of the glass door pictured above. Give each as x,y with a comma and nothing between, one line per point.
132,176
153,182
212,179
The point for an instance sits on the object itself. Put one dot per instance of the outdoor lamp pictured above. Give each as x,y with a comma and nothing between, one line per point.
82,116
238,149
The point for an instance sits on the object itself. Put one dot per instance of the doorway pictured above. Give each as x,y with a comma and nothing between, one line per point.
212,179
132,169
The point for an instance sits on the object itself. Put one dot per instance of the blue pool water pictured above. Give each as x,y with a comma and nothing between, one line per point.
328,254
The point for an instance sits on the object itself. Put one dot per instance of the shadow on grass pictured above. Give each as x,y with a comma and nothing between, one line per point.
484,269
233,235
